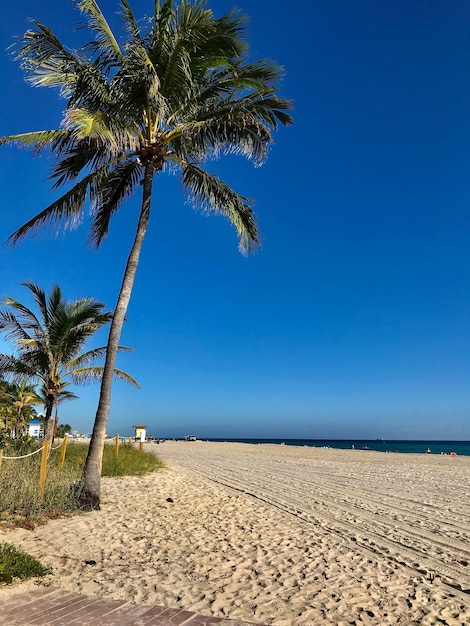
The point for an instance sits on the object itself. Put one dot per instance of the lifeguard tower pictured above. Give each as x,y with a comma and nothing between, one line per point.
140,432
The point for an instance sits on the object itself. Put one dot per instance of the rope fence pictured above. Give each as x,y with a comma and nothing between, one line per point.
44,458
46,450
23,456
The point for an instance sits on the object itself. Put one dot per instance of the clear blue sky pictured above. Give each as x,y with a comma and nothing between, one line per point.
353,320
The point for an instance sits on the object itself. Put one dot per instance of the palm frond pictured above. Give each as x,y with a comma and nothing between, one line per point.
46,62
124,376
234,133
10,325
65,396
12,367
232,84
139,82
82,155
188,25
90,125
129,22
161,31
105,43
39,140
91,88
65,213
29,319
229,33
86,312
273,110
54,309
87,358
264,107
209,193
89,374
73,324
260,75
120,183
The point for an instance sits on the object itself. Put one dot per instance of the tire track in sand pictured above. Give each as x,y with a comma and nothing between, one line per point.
413,533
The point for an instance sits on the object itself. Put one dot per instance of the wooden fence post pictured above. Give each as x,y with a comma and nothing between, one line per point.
116,445
42,471
141,446
62,452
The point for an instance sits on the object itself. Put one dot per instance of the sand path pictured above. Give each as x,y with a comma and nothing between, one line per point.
282,535
389,533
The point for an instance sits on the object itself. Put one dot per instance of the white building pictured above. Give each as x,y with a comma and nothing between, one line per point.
34,428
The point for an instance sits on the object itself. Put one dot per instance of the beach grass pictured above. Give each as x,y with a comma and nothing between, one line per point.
20,502
129,462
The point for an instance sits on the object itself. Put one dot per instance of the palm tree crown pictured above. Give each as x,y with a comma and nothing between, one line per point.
23,397
176,91
49,346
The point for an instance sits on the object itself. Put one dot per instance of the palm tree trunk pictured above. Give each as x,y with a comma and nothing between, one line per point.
91,478
17,423
55,421
48,418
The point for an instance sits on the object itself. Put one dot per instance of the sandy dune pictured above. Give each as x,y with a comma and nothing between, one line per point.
282,535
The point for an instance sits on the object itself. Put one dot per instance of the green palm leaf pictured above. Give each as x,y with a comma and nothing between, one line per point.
121,182
85,375
65,213
105,42
130,24
38,141
212,195
91,356
46,61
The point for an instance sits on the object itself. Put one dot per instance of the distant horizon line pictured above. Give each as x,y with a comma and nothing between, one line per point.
74,432
349,439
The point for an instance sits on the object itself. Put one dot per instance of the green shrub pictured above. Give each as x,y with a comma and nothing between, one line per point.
15,563
14,446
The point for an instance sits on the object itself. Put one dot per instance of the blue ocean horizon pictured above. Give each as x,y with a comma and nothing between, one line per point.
461,448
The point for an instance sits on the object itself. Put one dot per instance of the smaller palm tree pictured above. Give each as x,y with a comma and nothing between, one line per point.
23,397
49,345
6,410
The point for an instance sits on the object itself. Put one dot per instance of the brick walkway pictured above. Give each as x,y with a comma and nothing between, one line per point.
47,606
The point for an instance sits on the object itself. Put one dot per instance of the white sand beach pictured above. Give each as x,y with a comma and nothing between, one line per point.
276,534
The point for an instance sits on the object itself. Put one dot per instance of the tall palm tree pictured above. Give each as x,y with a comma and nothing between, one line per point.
49,345
176,89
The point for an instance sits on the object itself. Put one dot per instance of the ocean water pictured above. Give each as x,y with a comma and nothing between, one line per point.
379,445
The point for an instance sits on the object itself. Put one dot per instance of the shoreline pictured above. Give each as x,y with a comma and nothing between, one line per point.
436,446
283,535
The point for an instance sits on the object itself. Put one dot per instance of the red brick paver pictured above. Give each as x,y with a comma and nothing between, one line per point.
46,606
